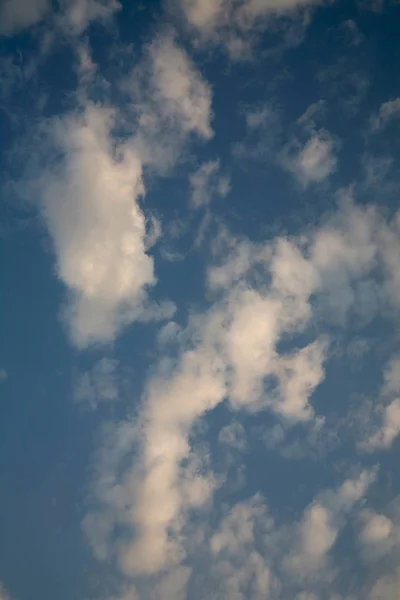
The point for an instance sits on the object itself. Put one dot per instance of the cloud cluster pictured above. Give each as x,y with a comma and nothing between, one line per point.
259,347
251,555
264,296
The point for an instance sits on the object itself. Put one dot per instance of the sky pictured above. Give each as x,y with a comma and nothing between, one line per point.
200,296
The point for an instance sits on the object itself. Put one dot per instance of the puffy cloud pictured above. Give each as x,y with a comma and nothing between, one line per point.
90,206
386,588
17,15
379,544
390,428
206,182
294,558
90,184
3,375
321,524
239,568
227,352
377,528
389,409
234,349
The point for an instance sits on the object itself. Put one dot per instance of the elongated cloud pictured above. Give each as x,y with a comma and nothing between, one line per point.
72,16
235,25
90,207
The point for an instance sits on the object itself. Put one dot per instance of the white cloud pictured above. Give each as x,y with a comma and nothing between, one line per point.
77,15
3,593
313,162
376,528
234,436
90,206
308,151
390,428
295,557
73,16
235,25
387,112
389,409
173,102
100,384
3,375
379,543
387,587
207,182
238,568
90,185
17,15
321,524
259,117
232,350
235,350
260,295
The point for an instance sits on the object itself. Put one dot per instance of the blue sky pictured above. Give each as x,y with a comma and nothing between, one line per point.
200,283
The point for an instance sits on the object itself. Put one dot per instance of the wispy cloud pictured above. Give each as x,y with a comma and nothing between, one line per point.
100,384
236,26
206,183
71,17
388,111
313,162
